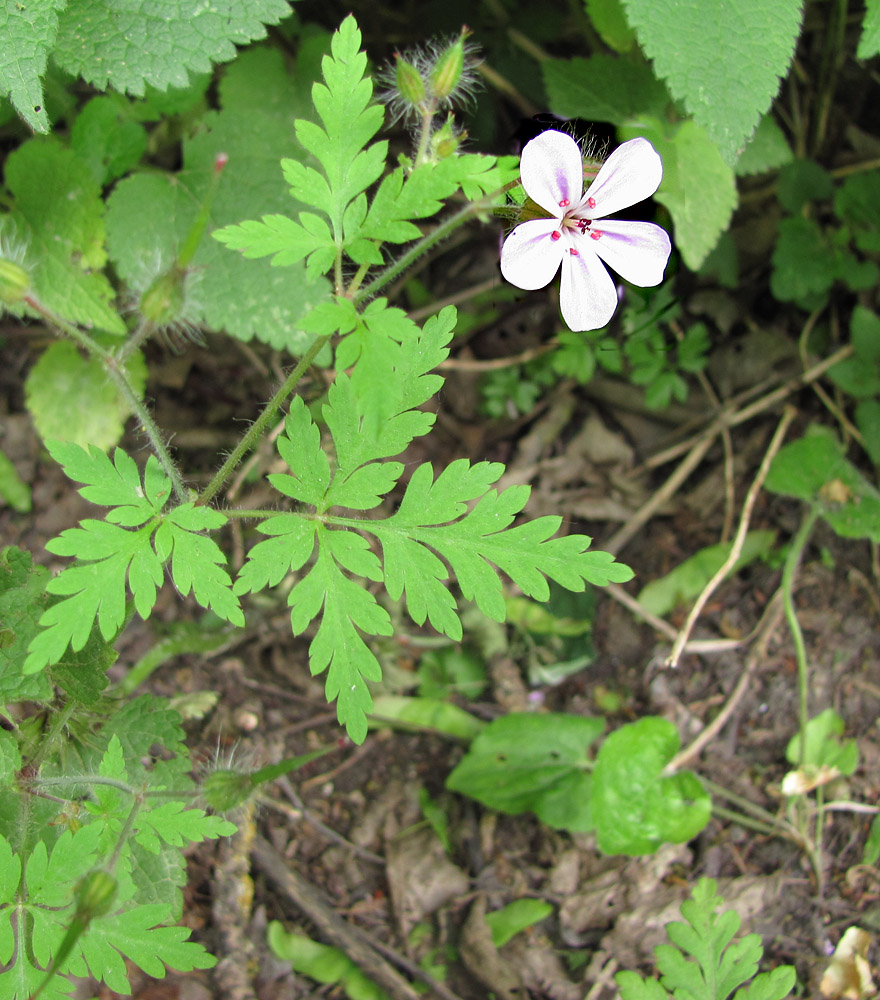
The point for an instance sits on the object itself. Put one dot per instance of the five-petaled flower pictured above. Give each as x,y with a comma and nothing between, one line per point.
579,233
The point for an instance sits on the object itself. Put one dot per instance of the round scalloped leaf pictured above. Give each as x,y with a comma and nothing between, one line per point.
70,398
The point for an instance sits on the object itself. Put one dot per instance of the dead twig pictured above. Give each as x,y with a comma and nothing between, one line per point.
738,541
355,942
695,747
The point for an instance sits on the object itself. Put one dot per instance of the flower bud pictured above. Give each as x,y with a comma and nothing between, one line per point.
408,79
14,282
95,895
445,141
162,303
225,790
448,68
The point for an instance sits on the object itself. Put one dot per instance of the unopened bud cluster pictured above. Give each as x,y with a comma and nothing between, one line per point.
427,82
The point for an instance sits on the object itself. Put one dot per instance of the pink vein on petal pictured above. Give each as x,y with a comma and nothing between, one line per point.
530,257
587,294
638,251
632,173
552,171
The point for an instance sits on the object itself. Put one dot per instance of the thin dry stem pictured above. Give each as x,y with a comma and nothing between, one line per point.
739,540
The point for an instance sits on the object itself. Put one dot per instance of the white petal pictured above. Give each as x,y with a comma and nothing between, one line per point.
552,171
638,251
530,256
632,173
587,295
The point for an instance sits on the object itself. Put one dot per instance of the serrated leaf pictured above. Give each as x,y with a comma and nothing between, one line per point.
636,808
71,398
767,149
197,561
134,934
535,763
603,88
28,32
107,136
271,560
58,217
348,168
338,647
130,44
96,588
723,61
471,543
116,484
698,187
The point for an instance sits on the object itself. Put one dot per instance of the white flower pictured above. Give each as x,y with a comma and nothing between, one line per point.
579,234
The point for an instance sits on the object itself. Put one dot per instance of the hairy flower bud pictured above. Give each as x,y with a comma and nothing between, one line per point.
408,79
14,282
162,303
446,140
449,66
226,789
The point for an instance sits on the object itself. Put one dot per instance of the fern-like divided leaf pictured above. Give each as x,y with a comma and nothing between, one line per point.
130,546
39,879
434,534
347,164
702,963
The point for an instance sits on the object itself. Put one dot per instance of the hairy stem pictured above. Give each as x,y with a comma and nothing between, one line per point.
117,373
437,234
250,440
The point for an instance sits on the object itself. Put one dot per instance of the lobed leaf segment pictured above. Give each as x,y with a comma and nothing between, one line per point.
451,523
132,546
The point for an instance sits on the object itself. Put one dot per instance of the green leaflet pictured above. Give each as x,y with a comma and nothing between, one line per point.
348,168
724,61
111,555
704,961
433,531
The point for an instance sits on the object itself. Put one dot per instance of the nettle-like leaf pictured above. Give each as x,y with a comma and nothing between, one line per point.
434,530
129,547
130,44
704,961
726,87
28,33
698,187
